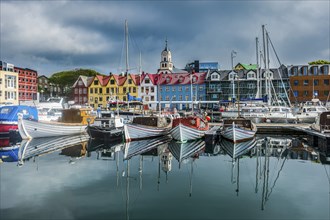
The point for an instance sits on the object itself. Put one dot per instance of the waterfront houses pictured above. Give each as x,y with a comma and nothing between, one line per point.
8,84
80,89
309,81
148,89
97,91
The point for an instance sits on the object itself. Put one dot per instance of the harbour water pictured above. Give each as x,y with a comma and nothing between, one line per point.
274,178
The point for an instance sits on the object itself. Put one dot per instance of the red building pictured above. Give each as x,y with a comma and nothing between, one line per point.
80,88
27,84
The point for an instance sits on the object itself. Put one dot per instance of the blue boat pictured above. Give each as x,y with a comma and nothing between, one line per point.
9,118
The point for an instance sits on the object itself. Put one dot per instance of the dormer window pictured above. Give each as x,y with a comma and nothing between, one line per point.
215,76
194,79
251,75
232,76
180,79
314,70
168,79
294,71
325,70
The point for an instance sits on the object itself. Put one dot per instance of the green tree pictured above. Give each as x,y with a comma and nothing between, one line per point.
66,79
319,62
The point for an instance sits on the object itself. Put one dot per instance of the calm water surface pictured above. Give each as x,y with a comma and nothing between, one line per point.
161,179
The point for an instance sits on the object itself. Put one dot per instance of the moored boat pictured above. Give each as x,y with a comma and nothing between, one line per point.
147,127
9,119
73,121
238,129
189,128
235,150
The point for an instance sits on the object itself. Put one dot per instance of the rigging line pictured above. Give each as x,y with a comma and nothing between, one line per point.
278,175
326,173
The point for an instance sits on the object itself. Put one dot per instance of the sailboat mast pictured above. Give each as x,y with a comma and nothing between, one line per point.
258,80
126,44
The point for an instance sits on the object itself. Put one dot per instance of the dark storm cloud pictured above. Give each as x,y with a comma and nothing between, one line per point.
57,35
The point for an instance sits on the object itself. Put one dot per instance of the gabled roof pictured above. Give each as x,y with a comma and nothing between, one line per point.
135,78
84,79
102,79
120,80
247,66
181,78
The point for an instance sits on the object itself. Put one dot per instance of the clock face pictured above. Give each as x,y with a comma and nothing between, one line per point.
164,53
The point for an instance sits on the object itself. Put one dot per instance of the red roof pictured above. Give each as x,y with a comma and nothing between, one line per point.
135,78
182,78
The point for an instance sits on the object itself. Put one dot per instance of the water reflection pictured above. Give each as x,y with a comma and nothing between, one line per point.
268,156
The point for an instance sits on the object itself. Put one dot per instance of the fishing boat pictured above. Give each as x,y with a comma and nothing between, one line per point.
107,127
322,123
9,119
147,127
280,114
238,129
189,128
73,121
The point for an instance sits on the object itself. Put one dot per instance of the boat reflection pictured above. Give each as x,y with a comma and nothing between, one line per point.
39,146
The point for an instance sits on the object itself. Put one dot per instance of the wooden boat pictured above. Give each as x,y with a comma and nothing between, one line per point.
238,129
134,148
147,127
189,128
73,121
322,123
235,150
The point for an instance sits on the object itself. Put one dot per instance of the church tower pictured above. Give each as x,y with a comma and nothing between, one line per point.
166,59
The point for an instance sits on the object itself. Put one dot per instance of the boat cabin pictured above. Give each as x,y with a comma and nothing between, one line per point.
78,115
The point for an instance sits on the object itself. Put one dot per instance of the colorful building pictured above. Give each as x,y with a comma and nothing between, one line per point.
80,90
8,84
97,91
309,81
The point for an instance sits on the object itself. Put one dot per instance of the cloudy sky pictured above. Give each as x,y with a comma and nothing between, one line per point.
51,36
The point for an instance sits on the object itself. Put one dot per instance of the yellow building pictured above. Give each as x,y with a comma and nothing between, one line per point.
103,89
8,86
98,93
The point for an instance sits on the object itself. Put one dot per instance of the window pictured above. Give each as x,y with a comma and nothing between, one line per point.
325,70
181,79
76,91
326,82
314,70
173,89
129,81
179,88
296,83
305,93
85,90
167,98
112,82
95,90
194,79
180,97
215,76
96,82
325,93
306,82
80,91
167,89
251,76
201,88
10,81
147,81
187,98
187,88
304,70
80,83
134,89
152,89
316,82
294,71
168,79
142,89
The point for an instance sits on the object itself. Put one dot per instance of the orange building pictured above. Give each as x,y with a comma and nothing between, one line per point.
309,81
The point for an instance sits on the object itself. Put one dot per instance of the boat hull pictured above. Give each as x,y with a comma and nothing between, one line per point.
139,132
29,129
235,132
105,133
184,133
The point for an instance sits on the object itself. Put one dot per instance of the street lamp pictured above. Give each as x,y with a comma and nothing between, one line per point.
233,55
